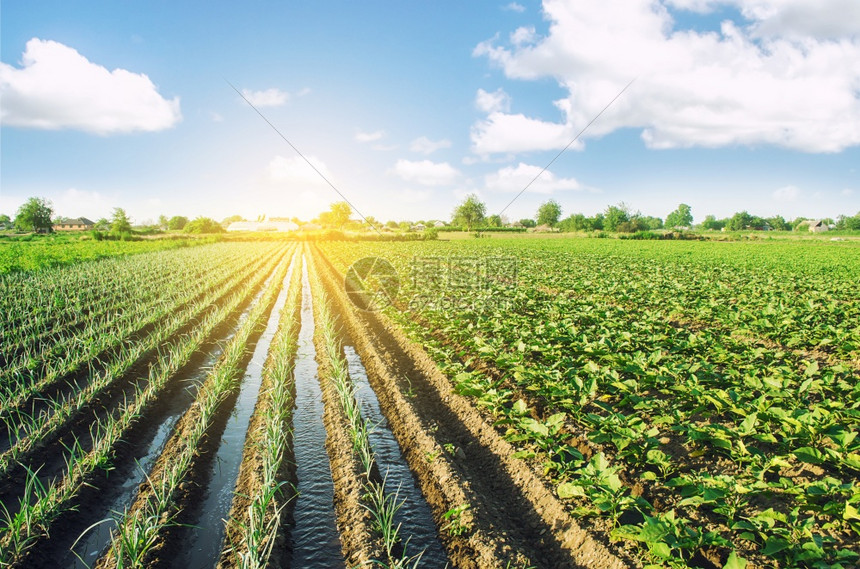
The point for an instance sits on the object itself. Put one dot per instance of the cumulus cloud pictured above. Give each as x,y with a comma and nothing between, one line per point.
786,194
295,171
58,88
514,179
424,145
768,80
497,101
502,133
425,172
369,136
272,97
515,7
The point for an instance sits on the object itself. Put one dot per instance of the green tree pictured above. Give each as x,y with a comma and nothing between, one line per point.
681,217
711,222
35,215
203,225
339,213
120,222
5,221
470,213
740,221
228,220
177,223
494,221
778,223
549,213
846,223
528,222
163,221
615,216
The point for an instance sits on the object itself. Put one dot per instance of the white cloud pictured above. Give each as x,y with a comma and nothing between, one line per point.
272,97
425,172
216,117
515,7
497,101
369,136
58,88
750,83
847,192
424,145
786,194
502,133
523,35
514,179
294,171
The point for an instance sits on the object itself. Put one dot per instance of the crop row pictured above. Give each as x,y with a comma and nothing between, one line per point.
30,430
379,500
256,517
653,405
140,527
41,503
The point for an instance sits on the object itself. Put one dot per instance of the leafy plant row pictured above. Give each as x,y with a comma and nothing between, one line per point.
140,527
41,504
255,519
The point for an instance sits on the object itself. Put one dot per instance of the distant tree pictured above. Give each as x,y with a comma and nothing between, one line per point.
549,213
615,216
470,213
163,221
528,222
778,223
339,214
228,220
120,222
5,221
739,221
391,224
203,225
846,223
494,221
711,222
103,224
681,217
650,223
35,215
405,225
177,223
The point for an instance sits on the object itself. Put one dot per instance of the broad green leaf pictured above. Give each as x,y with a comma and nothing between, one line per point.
809,454
735,562
775,545
570,490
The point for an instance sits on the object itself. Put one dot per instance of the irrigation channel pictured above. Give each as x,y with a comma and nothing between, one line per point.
314,537
414,516
158,428
204,539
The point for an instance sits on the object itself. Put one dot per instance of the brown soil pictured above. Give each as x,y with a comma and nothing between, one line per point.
514,516
251,469
187,496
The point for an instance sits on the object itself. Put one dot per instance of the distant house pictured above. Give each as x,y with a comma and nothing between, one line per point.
818,226
263,226
77,224
439,224
419,227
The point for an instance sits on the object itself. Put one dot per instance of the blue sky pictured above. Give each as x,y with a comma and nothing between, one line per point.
409,106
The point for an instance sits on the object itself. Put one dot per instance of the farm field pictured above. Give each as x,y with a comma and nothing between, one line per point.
509,403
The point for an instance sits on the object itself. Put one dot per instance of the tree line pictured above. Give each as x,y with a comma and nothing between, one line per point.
471,214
